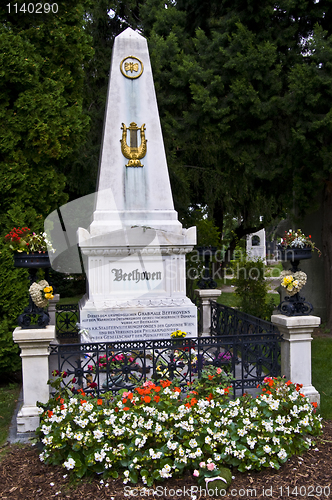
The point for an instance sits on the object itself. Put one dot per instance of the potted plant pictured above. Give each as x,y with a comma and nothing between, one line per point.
295,246
178,337
30,249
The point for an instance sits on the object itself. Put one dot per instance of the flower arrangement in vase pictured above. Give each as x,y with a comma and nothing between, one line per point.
22,239
31,252
295,246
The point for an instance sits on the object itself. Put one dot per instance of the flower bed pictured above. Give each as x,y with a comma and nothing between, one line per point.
158,431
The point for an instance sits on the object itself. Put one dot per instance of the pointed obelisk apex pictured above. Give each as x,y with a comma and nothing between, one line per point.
133,185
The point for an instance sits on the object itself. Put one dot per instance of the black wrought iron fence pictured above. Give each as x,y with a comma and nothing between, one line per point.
104,367
228,321
66,318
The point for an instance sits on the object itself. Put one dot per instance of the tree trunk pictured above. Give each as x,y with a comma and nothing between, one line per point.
327,247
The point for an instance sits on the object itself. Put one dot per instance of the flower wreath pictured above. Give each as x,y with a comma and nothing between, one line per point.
293,282
41,293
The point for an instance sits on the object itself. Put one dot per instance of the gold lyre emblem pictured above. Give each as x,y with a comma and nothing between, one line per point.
131,67
133,153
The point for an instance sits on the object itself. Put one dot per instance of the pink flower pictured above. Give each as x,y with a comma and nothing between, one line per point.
90,367
196,473
211,466
202,464
148,383
219,371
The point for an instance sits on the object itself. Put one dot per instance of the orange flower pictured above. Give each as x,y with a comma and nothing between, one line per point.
157,388
177,389
210,377
126,408
288,382
83,401
50,413
62,401
99,402
187,405
157,399
193,401
210,396
124,400
314,404
62,407
147,399
130,395
165,383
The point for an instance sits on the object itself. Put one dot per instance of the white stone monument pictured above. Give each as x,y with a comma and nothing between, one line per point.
256,246
135,246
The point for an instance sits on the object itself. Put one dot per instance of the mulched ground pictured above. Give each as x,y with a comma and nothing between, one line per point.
24,477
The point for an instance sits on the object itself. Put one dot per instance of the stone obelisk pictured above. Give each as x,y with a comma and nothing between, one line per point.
135,247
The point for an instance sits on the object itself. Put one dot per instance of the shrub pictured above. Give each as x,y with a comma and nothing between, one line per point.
13,299
252,288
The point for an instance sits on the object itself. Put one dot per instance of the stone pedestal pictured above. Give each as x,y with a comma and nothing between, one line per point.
34,345
296,350
205,308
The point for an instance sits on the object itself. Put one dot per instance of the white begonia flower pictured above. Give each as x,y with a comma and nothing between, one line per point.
98,434
69,464
242,432
193,443
99,457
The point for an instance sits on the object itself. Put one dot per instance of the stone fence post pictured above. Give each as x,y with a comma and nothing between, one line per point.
34,345
205,308
52,308
296,350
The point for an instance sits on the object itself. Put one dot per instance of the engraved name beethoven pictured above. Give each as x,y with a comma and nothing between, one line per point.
135,275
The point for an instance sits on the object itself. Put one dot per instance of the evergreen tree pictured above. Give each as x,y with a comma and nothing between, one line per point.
233,83
42,62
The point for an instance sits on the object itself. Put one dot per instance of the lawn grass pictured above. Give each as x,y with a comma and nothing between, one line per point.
232,300
228,299
70,300
321,362
8,400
